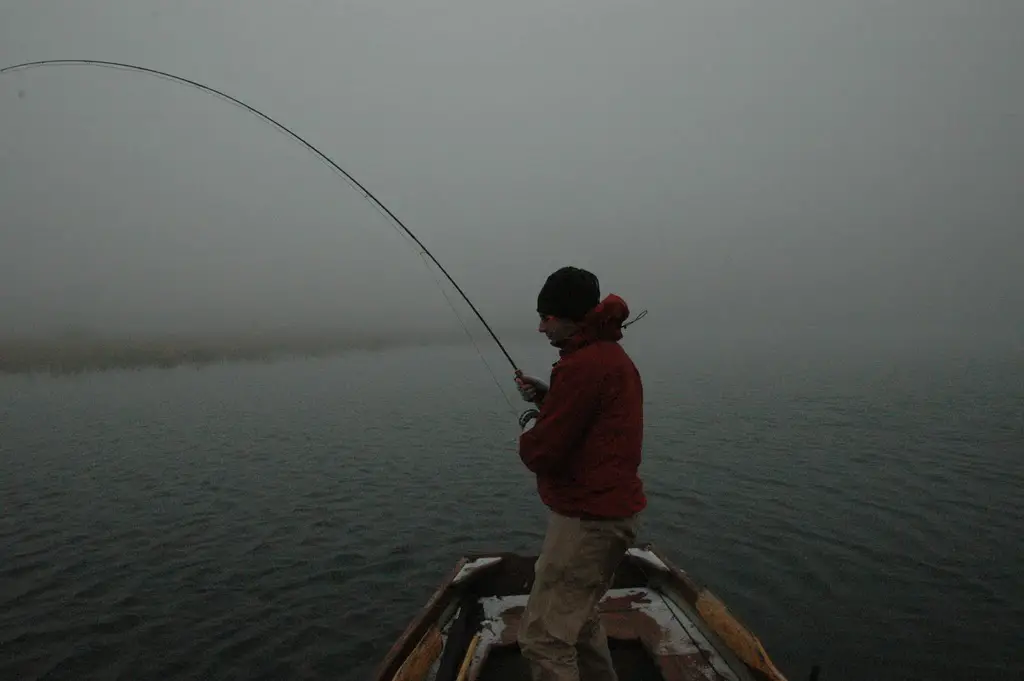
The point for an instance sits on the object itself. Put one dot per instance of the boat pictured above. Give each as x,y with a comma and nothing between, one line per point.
661,626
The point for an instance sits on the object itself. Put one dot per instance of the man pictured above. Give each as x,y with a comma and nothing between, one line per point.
583,444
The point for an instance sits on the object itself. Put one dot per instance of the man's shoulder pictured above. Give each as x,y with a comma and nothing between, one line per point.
608,349
603,356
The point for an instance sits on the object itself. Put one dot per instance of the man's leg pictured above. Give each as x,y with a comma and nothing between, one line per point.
593,656
575,568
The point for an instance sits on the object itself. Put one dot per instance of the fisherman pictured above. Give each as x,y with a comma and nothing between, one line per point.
582,440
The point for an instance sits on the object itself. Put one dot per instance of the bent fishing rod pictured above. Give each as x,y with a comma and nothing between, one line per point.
281,127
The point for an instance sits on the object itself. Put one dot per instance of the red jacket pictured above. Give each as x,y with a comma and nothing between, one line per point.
584,446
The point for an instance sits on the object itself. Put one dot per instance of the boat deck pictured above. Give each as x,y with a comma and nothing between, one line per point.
650,638
661,626
632,663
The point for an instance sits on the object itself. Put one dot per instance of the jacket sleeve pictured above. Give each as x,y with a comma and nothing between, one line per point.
566,412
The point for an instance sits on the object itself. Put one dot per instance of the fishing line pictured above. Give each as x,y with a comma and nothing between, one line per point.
469,335
381,208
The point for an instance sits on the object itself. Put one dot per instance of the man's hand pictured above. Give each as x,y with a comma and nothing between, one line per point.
531,389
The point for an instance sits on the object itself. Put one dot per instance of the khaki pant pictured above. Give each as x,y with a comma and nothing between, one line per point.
560,633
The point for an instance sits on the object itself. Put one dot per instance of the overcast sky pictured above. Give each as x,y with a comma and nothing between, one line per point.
796,162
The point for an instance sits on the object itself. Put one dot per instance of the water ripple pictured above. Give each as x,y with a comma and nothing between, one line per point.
260,521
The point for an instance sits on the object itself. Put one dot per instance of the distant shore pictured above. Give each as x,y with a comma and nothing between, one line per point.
73,356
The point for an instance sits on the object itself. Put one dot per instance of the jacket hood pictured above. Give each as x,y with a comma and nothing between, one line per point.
602,323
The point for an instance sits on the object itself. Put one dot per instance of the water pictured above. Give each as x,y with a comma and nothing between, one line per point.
858,507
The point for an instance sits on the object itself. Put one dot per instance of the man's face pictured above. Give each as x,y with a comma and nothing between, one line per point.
557,330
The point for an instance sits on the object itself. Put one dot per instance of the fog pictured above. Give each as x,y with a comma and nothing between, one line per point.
793,164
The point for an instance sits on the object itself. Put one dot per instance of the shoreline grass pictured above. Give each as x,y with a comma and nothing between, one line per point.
75,356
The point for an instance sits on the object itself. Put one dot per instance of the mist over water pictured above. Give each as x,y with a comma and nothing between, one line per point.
819,204
802,165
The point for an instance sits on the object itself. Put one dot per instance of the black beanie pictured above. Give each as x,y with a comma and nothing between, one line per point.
569,292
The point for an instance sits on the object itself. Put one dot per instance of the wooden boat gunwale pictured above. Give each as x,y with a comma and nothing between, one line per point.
420,624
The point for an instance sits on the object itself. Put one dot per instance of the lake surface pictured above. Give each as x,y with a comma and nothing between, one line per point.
857,504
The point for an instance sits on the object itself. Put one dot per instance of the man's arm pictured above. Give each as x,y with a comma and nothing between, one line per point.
564,415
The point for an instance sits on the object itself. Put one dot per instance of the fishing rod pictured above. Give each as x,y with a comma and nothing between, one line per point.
213,91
